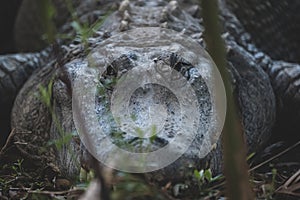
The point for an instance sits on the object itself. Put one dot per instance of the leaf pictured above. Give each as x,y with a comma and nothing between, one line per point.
196,174
208,175
77,27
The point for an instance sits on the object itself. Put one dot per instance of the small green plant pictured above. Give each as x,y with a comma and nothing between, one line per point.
47,13
83,30
130,187
45,94
17,167
268,189
86,176
206,183
204,177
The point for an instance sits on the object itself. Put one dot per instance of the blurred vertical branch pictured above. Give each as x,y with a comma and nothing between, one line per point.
235,165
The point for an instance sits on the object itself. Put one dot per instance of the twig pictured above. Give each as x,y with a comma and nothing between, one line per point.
274,157
12,133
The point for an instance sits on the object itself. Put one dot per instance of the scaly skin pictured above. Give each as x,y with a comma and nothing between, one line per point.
272,37
252,88
273,26
15,69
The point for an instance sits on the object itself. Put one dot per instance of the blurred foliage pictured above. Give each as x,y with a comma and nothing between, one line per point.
47,14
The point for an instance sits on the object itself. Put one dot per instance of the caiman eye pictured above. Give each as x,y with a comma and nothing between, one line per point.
176,62
121,64
117,68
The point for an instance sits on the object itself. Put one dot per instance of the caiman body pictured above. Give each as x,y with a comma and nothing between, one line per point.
36,123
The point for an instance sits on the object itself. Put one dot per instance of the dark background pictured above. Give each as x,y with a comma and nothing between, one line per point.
8,13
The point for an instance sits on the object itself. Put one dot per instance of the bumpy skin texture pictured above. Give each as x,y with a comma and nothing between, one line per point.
28,36
272,37
274,26
14,71
254,92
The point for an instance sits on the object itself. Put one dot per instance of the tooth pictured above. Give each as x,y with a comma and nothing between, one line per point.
124,26
173,5
126,16
125,5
